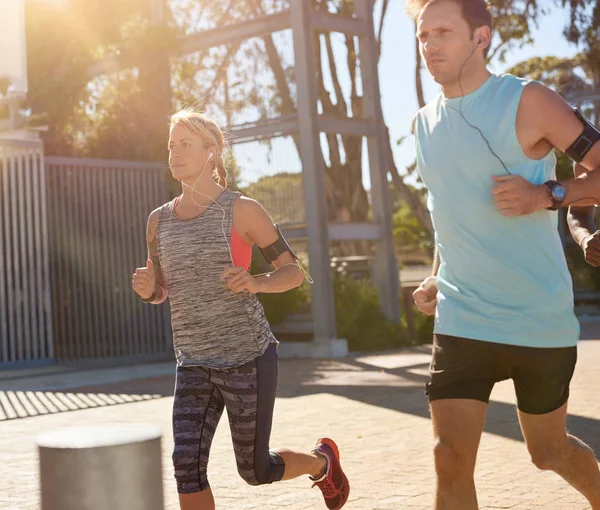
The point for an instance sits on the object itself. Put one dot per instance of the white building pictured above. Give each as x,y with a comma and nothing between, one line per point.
13,66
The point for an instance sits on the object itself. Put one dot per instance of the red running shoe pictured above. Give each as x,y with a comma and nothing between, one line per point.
333,484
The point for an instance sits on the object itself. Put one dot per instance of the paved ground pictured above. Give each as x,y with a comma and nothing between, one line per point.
373,406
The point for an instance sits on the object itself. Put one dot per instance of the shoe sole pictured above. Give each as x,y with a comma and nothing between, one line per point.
336,452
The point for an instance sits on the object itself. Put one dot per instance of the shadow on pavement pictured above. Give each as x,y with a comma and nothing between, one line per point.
374,380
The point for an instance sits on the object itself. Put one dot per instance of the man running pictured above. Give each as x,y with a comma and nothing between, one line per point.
500,290
583,227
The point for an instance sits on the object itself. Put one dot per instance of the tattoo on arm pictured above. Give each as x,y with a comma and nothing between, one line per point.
152,240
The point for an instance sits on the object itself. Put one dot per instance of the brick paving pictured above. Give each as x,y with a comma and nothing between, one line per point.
373,406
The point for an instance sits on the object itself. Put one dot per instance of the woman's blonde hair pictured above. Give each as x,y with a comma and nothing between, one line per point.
211,133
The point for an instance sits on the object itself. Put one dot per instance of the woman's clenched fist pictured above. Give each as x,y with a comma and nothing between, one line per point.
144,280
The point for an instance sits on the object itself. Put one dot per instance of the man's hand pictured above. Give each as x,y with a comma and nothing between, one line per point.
591,249
239,280
425,296
144,281
515,196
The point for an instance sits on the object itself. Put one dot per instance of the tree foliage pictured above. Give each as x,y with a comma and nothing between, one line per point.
253,80
64,39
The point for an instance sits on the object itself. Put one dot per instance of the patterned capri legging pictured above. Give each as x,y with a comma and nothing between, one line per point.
248,392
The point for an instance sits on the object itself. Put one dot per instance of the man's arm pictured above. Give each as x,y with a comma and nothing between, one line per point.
425,296
151,239
555,122
583,228
581,223
545,120
581,219
435,267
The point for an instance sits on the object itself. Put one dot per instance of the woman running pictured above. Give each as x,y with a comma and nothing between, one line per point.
199,252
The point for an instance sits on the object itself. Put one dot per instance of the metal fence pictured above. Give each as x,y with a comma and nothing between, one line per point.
97,214
25,320
72,232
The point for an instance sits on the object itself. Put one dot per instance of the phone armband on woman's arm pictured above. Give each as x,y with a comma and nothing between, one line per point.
271,252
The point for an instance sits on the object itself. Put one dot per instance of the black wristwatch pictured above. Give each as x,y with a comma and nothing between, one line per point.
557,193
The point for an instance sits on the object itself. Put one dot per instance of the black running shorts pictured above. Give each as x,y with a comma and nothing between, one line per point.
468,369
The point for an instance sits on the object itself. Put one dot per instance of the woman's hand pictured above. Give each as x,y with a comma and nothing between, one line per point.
143,280
239,280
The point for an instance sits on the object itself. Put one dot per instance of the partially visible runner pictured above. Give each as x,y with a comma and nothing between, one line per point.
199,252
582,224
501,290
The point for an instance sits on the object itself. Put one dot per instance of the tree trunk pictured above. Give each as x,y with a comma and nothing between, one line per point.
407,193
418,80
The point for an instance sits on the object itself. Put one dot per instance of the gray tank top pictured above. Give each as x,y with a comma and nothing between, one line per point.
212,326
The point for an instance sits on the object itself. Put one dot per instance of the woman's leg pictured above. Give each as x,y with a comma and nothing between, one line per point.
249,394
197,408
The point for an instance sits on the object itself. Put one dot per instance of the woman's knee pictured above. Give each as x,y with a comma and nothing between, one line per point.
263,471
190,475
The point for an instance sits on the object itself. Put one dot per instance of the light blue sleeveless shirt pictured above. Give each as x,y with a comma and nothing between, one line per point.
501,279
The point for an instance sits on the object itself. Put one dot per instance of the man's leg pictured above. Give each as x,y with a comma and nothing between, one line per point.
542,378
462,375
551,448
457,428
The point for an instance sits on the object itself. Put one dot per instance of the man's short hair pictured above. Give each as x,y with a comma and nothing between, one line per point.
477,13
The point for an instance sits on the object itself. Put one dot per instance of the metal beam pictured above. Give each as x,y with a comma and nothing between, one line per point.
355,231
322,303
591,96
283,125
85,163
294,231
236,32
353,127
287,124
328,22
228,34
339,231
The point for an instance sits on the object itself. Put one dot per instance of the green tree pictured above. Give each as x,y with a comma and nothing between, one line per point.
281,195
121,116
64,39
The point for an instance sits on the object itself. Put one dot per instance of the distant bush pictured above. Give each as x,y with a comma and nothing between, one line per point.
359,318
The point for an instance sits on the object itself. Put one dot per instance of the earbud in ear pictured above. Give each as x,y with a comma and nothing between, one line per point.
210,155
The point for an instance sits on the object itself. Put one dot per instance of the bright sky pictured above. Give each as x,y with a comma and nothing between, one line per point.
397,82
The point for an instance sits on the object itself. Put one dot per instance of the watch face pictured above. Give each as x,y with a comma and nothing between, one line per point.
559,193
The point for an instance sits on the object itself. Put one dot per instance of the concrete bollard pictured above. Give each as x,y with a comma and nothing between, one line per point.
112,467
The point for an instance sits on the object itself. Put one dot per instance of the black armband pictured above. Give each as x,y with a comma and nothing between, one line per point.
585,141
271,252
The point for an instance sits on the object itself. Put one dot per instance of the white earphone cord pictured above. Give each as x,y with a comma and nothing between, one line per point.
307,276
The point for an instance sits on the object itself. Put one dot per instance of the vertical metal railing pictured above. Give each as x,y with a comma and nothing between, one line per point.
97,212
26,331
